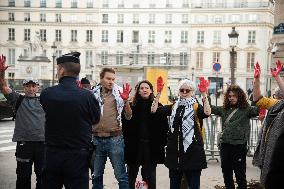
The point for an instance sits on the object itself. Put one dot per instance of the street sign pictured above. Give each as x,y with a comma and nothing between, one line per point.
217,66
279,29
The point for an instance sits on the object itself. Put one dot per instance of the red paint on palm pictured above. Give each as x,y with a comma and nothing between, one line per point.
275,71
160,84
2,63
126,91
203,85
257,70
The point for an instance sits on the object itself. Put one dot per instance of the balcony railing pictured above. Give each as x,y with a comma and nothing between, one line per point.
232,5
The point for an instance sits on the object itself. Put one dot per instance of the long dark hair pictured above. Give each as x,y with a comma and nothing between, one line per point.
137,95
241,95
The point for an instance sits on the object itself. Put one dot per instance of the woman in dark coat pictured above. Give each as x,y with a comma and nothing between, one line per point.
184,152
144,137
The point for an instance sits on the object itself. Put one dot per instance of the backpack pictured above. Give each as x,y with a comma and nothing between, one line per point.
18,103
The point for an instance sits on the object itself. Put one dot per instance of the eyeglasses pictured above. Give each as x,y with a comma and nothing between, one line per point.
184,90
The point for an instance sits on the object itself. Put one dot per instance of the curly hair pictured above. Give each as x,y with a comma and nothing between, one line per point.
137,95
242,98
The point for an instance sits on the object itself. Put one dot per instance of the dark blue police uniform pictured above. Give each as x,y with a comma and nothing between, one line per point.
70,113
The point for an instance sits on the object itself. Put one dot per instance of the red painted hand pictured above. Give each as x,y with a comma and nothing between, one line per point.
2,63
257,70
275,71
126,91
160,84
203,85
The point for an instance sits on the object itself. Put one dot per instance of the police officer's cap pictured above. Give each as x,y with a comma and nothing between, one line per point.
69,57
85,81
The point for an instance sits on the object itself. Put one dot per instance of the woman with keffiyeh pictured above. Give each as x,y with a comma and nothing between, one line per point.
184,152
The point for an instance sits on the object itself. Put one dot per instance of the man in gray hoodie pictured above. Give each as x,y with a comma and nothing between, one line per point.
29,129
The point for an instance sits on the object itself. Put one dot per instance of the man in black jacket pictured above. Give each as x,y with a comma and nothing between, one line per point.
70,113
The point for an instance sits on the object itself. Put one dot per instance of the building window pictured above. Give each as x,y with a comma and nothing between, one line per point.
105,36
135,36
73,35
90,3
89,35
119,36
168,4
183,58
105,4
104,57
250,61
11,3
105,19
184,18
184,37
136,6
27,17
11,34
11,57
74,4
235,18
42,17
168,36
26,52
58,35
42,34
27,36
151,36
11,75
252,18
58,17
58,4
168,18
251,37
135,19
200,37
119,57
42,3
199,60
89,59
11,17
168,57
120,18
120,4
73,18
151,58
152,18
185,4
217,37
216,57
218,19
58,53
27,3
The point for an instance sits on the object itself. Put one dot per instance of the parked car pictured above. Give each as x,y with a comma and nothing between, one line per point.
6,111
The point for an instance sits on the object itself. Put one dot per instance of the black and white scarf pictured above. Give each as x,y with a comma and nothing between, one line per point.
187,120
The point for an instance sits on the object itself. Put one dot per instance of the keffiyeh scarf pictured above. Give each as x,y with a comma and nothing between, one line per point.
187,120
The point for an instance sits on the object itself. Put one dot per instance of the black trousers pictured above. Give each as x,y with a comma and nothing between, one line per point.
233,158
148,170
27,154
66,167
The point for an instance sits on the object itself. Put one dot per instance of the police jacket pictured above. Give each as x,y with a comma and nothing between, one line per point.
70,113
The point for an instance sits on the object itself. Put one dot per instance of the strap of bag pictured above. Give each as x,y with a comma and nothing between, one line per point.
230,116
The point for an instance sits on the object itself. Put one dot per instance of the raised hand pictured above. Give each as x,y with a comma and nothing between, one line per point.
126,91
2,63
275,71
203,85
257,70
160,84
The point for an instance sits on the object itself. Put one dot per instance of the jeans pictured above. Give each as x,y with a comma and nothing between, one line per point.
193,178
112,147
27,154
233,158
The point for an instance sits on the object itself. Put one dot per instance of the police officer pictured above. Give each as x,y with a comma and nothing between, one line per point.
70,113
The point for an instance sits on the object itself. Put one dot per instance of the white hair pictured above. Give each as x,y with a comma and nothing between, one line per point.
188,83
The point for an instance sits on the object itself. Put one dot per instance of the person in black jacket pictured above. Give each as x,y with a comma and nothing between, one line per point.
144,136
184,152
70,113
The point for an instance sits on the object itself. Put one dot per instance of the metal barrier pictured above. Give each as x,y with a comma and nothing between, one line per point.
212,127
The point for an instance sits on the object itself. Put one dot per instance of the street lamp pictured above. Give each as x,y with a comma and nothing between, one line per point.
233,42
192,73
53,61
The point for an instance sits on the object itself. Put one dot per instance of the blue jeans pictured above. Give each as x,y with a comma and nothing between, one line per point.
192,177
112,147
